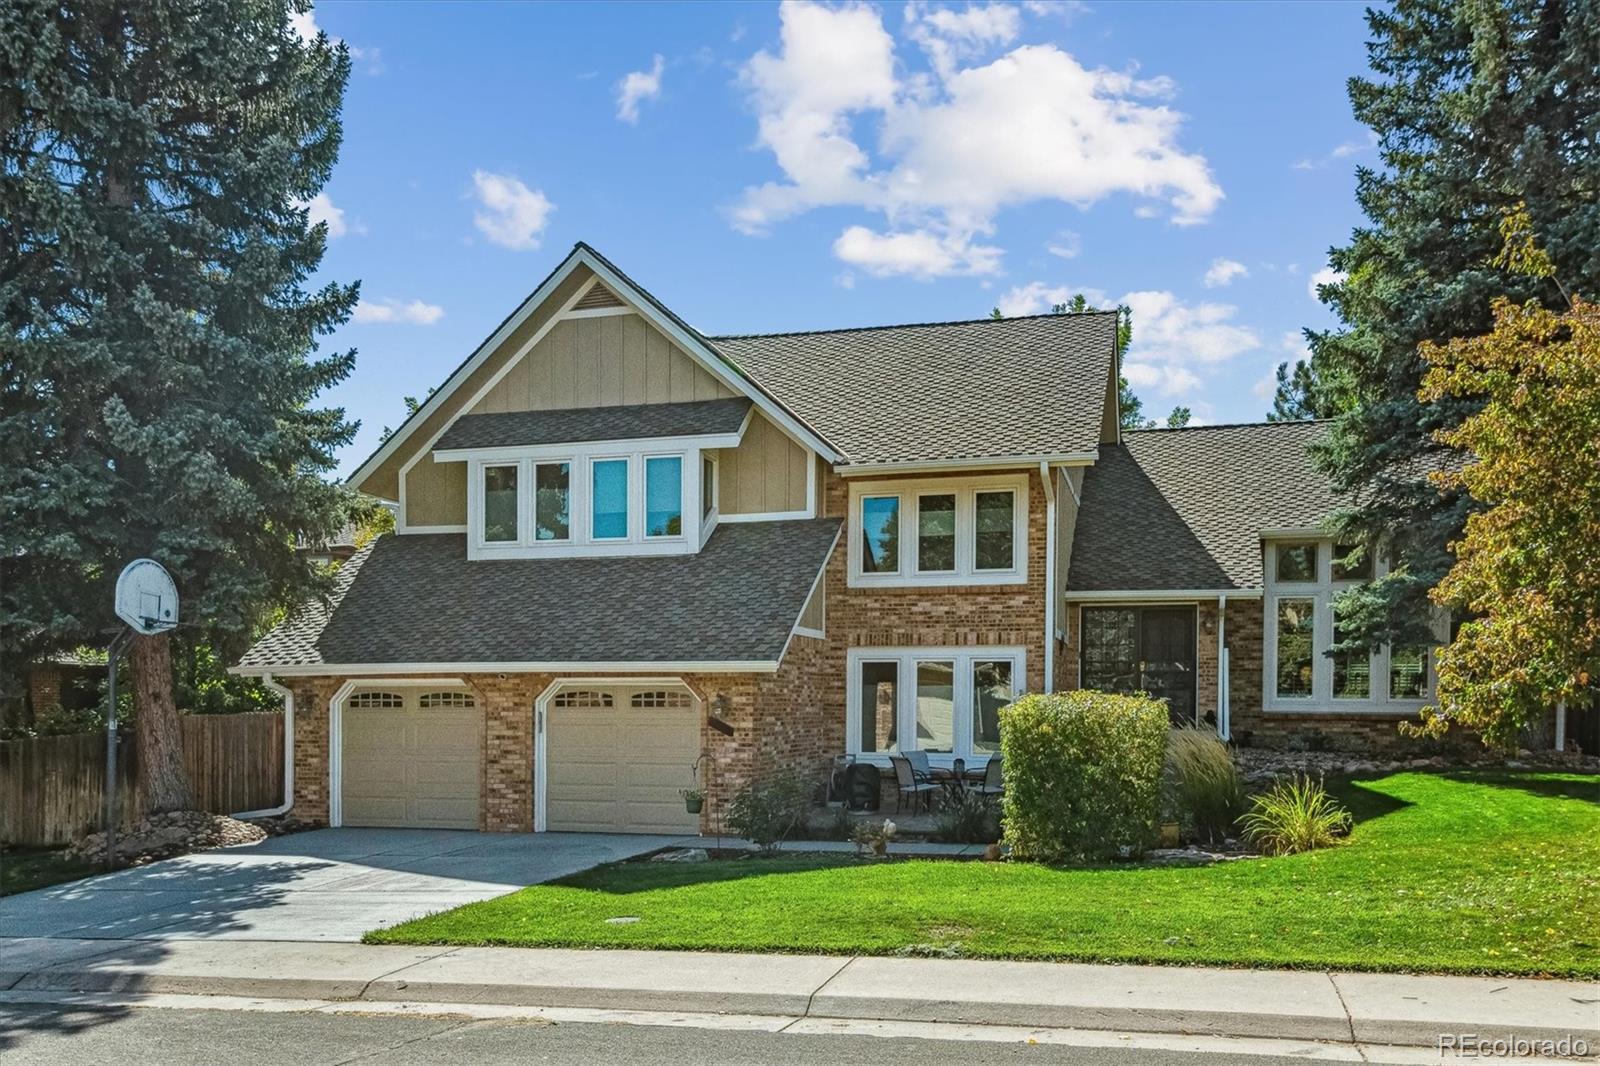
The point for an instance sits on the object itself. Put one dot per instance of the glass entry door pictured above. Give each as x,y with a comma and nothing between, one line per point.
1142,649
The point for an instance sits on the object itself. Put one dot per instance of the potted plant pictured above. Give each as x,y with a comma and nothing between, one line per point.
693,800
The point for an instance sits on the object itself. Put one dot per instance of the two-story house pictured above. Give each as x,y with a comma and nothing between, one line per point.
632,559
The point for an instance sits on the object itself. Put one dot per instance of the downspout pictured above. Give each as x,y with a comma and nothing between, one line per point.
1561,725
288,754
1049,576
1224,726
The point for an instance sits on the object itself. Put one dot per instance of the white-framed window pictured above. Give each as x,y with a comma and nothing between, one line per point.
943,701
939,531
376,699
1304,578
452,698
596,499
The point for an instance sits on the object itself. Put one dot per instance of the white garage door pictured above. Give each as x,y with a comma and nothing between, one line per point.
617,758
412,757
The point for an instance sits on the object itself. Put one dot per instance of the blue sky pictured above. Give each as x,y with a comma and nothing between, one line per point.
811,167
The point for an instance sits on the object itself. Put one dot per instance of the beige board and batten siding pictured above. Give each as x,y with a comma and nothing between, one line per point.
384,482
765,474
609,361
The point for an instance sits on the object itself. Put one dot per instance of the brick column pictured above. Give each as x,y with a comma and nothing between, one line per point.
311,783
508,751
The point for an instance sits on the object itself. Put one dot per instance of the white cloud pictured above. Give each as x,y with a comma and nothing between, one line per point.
948,36
1035,298
411,312
1340,151
918,253
955,148
1223,271
1325,276
1066,245
513,215
638,86
321,209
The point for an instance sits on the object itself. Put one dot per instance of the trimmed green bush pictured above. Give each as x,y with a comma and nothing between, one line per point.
1082,774
1293,816
1206,788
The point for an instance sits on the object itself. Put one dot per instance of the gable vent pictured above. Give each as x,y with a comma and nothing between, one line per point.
597,297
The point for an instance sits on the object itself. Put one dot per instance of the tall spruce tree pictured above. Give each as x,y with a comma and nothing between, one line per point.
160,358
1477,105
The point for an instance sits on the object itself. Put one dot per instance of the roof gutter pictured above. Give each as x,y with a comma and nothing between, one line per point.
982,462
288,754
764,666
1047,476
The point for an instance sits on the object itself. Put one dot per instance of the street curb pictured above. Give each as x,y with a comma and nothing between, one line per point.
1304,1006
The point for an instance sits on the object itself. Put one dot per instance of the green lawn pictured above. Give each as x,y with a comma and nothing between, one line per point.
1470,873
26,869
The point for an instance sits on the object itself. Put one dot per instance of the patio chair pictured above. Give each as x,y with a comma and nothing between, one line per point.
992,784
910,783
919,763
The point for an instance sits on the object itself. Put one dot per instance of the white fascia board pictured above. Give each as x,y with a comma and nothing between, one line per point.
1161,595
1303,532
702,441
388,669
481,354
985,463
713,361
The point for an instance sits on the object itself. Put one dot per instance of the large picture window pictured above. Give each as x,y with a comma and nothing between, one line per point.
939,531
944,701
1305,579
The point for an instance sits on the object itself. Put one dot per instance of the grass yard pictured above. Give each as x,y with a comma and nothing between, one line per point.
1468,873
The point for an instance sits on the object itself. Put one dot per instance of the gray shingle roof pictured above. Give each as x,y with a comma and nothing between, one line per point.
1185,508
956,390
573,425
417,599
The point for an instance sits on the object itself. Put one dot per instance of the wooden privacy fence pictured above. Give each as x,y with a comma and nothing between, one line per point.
52,789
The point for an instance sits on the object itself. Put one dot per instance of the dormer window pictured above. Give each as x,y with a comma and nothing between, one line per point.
635,480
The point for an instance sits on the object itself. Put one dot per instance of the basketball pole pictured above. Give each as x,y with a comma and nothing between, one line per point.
113,653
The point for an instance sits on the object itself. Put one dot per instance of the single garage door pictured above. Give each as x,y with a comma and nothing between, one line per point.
617,758
412,757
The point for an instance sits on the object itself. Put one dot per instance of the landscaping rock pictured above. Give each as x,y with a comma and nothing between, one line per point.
161,836
681,855
1191,856
1260,767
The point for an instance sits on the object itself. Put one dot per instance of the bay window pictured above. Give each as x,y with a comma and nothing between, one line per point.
944,701
1304,581
957,531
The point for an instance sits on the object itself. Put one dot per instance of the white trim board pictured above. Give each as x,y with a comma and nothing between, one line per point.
1160,595
386,671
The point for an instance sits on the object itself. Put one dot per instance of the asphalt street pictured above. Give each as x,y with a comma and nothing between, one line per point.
37,1034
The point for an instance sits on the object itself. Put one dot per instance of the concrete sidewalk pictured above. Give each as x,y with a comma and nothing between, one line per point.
1298,1005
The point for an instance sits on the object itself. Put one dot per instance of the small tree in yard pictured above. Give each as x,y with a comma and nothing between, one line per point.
1527,570
156,162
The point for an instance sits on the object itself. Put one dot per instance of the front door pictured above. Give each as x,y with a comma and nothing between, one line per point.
1142,649
1166,656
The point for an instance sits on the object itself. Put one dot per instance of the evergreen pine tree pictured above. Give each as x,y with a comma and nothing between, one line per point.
156,157
1477,106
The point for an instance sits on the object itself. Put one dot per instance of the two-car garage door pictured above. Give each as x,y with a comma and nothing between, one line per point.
412,757
616,758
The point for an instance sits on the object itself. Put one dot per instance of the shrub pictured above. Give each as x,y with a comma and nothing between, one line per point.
1083,774
767,813
971,818
1295,815
1205,784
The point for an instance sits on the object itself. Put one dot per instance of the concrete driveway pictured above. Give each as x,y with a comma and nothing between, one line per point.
328,884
